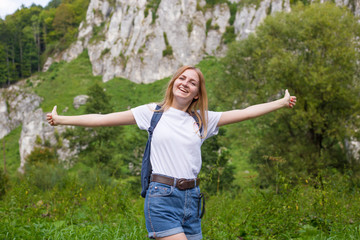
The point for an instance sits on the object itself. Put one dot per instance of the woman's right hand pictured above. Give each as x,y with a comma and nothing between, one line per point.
52,117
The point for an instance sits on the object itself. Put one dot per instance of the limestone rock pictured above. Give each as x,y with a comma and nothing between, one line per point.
35,126
47,64
129,43
20,107
73,51
80,100
353,148
15,104
123,39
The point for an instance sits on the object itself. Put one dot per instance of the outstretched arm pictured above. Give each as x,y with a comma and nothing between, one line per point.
258,110
92,120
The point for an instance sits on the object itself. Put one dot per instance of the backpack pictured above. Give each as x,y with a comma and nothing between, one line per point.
146,168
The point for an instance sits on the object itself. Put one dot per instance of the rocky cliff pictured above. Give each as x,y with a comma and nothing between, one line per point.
144,43
132,40
21,107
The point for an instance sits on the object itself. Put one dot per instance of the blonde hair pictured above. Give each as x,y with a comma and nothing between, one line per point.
201,103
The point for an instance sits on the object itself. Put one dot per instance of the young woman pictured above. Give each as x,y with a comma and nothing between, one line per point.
173,197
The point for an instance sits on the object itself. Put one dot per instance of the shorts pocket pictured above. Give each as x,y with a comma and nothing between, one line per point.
160,190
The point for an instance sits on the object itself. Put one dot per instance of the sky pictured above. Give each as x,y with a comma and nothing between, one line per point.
10,6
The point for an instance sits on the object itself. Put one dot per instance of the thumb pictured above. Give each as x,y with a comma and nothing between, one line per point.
287,94
54,112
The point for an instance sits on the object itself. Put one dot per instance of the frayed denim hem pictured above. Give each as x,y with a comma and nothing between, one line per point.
194,237
167,233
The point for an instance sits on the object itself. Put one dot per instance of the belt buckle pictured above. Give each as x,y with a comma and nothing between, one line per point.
181,183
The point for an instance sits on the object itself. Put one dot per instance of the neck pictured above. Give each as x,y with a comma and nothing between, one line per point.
180,106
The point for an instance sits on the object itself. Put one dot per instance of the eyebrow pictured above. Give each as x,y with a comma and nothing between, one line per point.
191,79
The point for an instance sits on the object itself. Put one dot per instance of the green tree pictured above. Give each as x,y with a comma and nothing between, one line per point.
21,37
67,18
99,143
30,35
312,51
63,20
3,65
217,174
49,36
53,4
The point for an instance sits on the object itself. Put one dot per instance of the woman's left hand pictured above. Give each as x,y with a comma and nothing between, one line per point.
290,101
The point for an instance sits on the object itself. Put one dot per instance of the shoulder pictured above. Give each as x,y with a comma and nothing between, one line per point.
212,115
145,108
143,115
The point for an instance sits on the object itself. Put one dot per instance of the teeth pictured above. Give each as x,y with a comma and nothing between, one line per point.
182,89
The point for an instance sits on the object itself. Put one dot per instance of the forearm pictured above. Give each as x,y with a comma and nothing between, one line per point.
262,109
251,112
93,120
87,120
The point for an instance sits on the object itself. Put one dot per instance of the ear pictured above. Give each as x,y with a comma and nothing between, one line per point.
196,97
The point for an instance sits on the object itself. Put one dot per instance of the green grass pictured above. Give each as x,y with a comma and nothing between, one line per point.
294,214
12,153
63,82
126,94
112,212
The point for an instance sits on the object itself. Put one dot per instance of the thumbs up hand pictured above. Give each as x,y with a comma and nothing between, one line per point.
52,117
290,100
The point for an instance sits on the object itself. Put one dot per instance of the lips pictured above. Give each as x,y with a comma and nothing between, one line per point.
183,89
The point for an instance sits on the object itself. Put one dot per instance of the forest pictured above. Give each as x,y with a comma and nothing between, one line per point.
30,35
287,175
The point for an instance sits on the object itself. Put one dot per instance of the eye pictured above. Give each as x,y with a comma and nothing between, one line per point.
193,83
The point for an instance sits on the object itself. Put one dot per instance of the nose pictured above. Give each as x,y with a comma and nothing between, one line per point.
185,83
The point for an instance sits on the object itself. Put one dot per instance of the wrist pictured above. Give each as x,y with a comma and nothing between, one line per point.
58,120
284,102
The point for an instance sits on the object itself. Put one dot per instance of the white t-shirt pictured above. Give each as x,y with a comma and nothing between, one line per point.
176,143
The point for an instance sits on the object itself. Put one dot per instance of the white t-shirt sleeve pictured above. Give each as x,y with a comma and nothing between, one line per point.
143,115
213,119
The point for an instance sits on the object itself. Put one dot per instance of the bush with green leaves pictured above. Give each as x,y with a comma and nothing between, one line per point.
312,51
217,173
96,145
43,170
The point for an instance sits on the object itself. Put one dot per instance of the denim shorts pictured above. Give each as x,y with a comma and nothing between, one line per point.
170,211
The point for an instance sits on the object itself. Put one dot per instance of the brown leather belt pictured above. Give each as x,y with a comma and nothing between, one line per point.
181,183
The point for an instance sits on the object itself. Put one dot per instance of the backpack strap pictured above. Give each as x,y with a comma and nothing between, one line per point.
146,167
197,122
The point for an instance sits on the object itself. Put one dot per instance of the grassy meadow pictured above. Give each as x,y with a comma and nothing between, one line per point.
58,203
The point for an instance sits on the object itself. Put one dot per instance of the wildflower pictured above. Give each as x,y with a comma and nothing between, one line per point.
39,203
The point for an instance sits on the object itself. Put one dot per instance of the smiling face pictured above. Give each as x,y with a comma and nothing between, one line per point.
186,87
186,91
